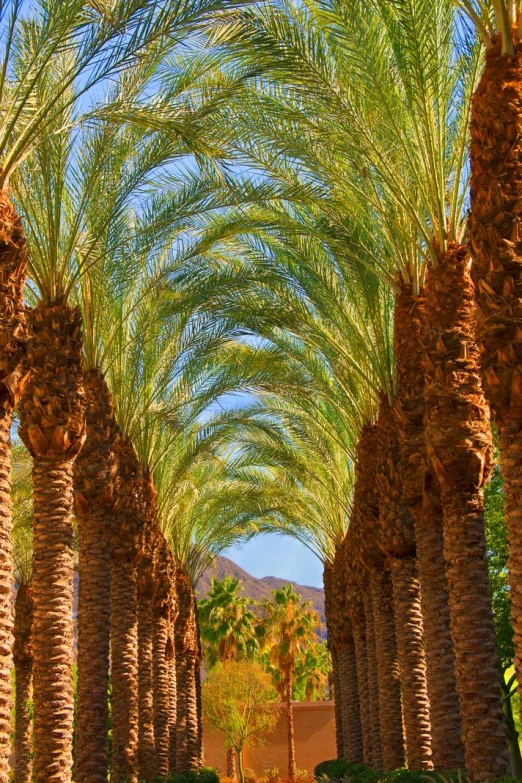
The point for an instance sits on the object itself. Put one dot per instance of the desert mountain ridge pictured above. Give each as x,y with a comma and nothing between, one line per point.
259,589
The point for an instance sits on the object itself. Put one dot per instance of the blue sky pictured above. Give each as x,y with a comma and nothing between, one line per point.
274,555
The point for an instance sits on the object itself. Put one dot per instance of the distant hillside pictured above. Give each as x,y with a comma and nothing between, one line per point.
259,589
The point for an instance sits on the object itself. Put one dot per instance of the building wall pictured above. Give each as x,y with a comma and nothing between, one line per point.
314,725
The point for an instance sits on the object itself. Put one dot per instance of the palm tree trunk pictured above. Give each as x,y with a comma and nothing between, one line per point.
351,721
349,693
187,728
412,663
332,642
421,496
336,678
125,542
93,489
398,541
13,336
23,661
199,696
53,428
496,194
292,766
460,450
147,761
388,670
363,547
373,687
161,692
172,714
361,657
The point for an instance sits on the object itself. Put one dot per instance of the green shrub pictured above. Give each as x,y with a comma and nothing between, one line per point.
337,769
207,775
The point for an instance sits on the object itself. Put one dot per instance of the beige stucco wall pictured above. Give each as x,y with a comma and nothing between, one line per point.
314,724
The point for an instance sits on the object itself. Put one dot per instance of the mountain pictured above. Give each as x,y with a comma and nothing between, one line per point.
259,589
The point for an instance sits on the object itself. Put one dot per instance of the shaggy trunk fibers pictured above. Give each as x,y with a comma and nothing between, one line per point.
125,545
13,336
23,661
388,670
459,448
496,245
186,643
94,472
163,651
412,663
52,417
147,762
421,496
373,687
357,617
345,651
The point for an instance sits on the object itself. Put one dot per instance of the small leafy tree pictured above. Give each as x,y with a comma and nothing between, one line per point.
238,700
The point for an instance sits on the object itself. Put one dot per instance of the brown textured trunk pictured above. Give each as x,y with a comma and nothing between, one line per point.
187,729
350,703
363,547
421,496
125,541
13,336
172,714
162,653
336,678
53,428
231,764
352,736
361,656
373,687
199,696
341,632
146,621
93,490
398,541
412,663
496,245
292,766
331,633
459,448
388,671
23,661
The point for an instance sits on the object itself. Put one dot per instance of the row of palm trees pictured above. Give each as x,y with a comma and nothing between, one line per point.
271,199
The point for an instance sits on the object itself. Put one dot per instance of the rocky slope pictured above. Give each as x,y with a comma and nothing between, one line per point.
259,589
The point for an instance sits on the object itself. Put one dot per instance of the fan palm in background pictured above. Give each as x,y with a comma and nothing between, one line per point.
290,626
227,625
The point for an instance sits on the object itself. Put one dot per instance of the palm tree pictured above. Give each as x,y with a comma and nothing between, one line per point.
494,244
312,672
402,115
227,628
40,45
290,625
312,471
227,623
21,494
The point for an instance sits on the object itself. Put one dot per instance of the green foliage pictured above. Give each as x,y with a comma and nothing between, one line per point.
337,769
497,555
227,623
206,775
237,698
